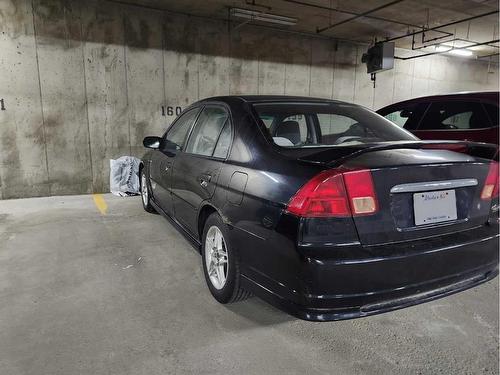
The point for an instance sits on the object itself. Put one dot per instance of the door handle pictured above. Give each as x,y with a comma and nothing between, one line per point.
167,167
204,180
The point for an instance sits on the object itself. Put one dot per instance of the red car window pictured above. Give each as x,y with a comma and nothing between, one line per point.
406,116
455,115
492,111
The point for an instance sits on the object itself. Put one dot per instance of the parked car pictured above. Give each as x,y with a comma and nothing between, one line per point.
469,116
323,208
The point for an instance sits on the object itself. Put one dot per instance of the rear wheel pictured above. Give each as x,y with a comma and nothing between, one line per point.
220,262
146,193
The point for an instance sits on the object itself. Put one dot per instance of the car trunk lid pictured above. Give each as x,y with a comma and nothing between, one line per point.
421,191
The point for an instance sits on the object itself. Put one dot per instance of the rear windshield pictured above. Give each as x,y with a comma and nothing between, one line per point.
299,125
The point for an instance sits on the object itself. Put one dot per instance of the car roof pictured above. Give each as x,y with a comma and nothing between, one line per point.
270,99
473,95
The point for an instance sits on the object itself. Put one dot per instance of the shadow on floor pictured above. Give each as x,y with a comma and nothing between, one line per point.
259,312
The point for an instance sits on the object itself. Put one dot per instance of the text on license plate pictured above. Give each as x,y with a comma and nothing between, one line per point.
434,206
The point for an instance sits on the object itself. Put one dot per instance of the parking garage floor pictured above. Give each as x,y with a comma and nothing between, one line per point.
95,285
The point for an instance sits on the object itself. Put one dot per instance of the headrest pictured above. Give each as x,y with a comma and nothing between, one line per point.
290,130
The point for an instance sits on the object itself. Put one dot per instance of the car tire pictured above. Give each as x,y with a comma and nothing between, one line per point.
218,256
145,192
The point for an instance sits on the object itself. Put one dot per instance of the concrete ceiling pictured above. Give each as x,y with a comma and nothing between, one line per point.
396,19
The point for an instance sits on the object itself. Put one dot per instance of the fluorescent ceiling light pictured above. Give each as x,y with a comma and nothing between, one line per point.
261,16
461,52
441,48
450,49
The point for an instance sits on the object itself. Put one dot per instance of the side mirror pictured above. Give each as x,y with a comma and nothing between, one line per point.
152,142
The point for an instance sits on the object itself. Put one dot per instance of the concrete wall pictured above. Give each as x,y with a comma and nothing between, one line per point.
84,82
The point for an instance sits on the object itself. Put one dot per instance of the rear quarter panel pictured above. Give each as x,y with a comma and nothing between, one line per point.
263,236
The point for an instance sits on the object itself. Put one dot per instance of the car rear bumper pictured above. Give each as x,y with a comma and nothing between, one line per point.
334,290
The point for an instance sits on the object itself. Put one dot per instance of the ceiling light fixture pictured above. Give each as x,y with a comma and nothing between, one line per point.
255,15
450,49
461,52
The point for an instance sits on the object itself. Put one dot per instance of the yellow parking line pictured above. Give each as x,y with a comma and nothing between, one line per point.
100,203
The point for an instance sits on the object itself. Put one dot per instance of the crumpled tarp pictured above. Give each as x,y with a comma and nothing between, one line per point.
124,176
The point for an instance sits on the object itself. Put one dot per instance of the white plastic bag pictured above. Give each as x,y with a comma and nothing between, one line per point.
124,176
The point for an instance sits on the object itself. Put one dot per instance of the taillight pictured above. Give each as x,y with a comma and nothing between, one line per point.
359,185
332,193
323,195
490,188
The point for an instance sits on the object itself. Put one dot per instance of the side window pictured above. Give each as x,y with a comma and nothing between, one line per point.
406,117
207,130
492,111
267,120
458,121
454,115
179,130
224,142
400,118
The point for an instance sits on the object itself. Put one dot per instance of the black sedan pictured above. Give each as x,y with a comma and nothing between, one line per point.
323,208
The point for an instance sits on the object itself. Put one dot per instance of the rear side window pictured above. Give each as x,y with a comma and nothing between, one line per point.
267,120
492,111
398,117
326,124
224,142
207,130
407,116
178,131
455,115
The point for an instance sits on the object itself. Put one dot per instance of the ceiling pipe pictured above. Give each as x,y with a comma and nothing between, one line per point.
447,41
351,13
441,52
441,26
490,55
320,30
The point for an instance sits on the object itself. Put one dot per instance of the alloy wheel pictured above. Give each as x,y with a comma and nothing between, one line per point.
216,257
144,189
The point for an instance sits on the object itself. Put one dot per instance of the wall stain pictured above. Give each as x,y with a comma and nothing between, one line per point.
55,140
104,52
12,20
38,135
57,23
137,38
52,121
10,158
70,183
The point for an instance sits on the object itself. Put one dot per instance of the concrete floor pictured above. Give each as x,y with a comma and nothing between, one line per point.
83,292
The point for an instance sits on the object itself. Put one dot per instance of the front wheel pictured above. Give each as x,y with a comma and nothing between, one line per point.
146,193
220,262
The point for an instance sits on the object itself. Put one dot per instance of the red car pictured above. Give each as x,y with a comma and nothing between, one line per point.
469,116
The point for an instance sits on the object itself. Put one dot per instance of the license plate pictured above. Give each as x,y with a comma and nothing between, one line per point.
434,207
